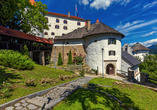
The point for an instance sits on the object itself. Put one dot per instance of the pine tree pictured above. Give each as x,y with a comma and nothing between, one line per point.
70,59
60,61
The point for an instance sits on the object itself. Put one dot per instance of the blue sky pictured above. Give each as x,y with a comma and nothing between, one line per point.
136,19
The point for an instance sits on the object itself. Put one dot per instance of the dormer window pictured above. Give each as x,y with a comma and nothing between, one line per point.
112,53
57,20
112,41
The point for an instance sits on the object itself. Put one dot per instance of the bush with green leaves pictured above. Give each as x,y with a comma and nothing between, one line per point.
79,60
16,60
70,59
149,65
60,61
5,89
25,51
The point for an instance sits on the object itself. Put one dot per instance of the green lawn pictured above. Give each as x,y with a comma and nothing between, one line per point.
18,78
133,96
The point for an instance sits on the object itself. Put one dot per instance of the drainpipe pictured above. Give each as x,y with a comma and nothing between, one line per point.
55,57
102,63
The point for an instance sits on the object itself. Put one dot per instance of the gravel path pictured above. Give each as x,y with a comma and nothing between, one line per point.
47,101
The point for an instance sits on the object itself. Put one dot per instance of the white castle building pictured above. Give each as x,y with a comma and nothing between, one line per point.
61,24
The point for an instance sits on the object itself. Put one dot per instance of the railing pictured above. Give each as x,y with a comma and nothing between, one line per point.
18,47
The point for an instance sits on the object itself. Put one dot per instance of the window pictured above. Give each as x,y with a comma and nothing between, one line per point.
63,34
57,20
65,27
78,23
46,33
111,41
47,18
57,27
112,53
67,42
52,33
65,22
95,41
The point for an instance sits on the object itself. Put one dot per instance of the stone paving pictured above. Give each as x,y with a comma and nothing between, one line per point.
51,98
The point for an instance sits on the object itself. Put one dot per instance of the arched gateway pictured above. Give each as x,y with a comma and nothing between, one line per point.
110,69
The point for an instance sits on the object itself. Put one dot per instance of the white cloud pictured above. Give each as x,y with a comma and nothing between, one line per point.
133,27
146,43
148,34
85,2
128,24
104,3
150,5
101,4
155,28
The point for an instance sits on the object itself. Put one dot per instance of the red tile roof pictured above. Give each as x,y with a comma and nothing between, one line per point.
14,33
66,16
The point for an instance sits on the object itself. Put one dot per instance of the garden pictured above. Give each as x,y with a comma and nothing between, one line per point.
133,96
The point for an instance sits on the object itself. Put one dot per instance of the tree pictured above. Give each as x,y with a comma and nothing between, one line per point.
22,15
60,61
70,58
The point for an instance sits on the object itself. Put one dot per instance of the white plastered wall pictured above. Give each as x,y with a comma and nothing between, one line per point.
94,51
141,54
71,26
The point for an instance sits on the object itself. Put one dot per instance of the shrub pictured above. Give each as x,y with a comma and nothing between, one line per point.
16,60
70,58
5,89
60,61
79,59
25,51
82,72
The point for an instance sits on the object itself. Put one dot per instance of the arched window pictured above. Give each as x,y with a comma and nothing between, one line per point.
65,27
57,20
63,34
65,21
111,52
57,27
52,33
46,33
78,23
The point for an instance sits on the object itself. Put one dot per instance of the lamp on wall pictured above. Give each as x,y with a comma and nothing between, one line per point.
102,63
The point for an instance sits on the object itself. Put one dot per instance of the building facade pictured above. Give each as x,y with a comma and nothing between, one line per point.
60,24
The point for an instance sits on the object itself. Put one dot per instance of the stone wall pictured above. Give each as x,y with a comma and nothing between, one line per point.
64,50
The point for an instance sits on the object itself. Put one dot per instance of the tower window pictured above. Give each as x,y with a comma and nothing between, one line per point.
111,41
112,53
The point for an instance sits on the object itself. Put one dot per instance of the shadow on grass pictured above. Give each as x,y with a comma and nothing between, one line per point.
100,101
6,76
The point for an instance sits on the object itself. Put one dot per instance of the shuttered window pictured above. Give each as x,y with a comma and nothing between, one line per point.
112,41
112,53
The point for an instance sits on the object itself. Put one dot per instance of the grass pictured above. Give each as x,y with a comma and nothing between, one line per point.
17,79
133,96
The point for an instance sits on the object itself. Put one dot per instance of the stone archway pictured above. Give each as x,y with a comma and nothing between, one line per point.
110,69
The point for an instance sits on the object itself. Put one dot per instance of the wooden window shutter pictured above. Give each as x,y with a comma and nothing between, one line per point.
108,41
109,52
114,41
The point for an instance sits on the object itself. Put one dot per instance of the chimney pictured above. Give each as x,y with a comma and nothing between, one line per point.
88,24
68,14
